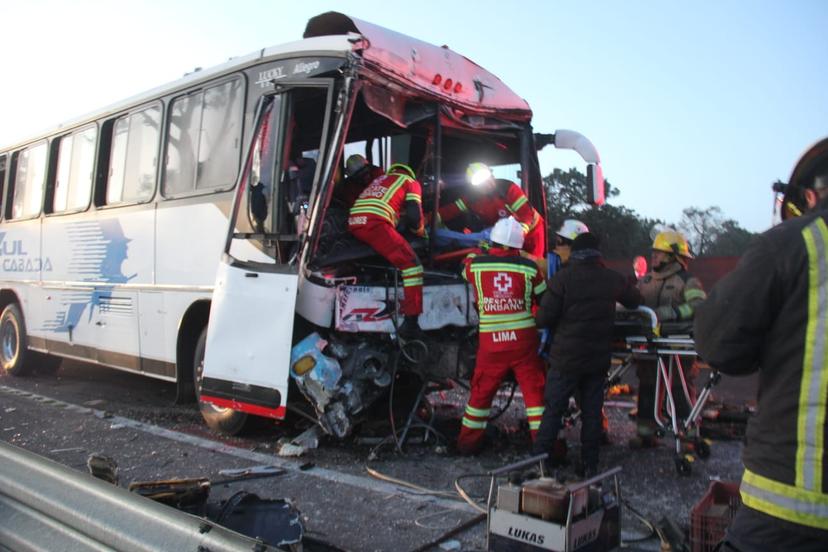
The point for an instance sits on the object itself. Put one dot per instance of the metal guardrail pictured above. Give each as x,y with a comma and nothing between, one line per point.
47,506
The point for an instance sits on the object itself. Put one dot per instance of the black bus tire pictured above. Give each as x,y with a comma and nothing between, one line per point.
14,346
220,420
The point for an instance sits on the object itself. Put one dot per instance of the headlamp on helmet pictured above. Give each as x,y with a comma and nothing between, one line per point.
478,173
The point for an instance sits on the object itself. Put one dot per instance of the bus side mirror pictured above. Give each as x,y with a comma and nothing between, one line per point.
595,185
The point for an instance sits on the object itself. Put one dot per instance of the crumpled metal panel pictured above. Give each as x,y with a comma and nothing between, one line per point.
414,64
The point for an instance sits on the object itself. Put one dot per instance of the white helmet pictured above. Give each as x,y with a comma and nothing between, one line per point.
508,232
571,229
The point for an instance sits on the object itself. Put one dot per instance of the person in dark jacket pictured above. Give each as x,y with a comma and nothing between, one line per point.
579,309
770,314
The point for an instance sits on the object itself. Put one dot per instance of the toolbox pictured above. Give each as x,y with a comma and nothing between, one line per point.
583,516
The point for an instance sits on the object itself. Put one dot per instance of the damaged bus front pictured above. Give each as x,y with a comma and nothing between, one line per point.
297,298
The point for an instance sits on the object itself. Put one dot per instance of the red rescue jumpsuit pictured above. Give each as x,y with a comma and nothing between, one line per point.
505,286
507,199
373,220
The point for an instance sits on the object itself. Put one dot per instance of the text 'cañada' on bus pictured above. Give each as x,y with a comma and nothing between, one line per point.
112,225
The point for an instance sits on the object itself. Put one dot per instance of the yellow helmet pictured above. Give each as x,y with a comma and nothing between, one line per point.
672,242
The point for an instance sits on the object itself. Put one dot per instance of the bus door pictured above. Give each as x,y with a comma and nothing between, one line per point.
249,336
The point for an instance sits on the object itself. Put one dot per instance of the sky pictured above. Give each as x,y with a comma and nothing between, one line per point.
689,104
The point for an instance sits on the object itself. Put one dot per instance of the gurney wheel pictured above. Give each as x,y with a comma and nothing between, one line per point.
702,449
683,466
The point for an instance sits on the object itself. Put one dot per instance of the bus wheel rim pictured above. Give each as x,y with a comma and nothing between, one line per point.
9,341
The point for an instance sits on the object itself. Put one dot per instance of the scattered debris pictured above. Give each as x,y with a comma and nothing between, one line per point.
286,448
188,495
450,545
103,467
306,466
103,414
254,472
275,521
117,426
71,449
308,439
94,402
9,410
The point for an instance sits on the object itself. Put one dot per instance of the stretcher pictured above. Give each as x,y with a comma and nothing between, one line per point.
672,347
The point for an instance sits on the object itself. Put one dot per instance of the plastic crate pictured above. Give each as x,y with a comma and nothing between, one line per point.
712,514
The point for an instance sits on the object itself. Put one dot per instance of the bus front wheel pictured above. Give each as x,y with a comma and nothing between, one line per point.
14,351
221,420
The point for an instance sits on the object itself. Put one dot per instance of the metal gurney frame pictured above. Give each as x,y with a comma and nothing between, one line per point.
672,348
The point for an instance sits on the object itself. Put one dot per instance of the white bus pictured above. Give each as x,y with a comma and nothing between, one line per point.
113,224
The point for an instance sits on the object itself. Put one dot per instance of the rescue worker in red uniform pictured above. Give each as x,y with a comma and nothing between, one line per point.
770,315
391,200
505,285
493,199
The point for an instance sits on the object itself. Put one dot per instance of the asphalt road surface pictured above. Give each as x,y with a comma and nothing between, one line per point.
86,409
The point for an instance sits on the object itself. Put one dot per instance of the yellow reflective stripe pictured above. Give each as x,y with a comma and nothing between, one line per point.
489,328
413,197
411,282
495,267
473,424
685,311
812,391
540,288
370,202
534,411
527,291
461,205
525,227
785,501
393,188
534,424
478,412
536,218
412,270
509,317
517,204
478,284
694,293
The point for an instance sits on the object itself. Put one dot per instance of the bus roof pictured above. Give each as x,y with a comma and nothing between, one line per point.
429,69
412,63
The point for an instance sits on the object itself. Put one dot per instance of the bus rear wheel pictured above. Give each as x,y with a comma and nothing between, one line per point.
221,420
14,349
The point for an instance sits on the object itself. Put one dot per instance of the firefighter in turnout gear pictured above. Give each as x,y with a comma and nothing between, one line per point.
494,199
770,315
673,294
505,287
388,201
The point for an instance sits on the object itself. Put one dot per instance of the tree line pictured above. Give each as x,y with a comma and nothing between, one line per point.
625,234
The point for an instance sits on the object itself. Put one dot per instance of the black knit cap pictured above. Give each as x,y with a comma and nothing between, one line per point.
587,240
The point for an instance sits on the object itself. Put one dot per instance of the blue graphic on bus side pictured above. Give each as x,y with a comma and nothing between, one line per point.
97,251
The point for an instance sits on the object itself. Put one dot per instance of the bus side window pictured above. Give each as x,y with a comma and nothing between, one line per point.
27,181
71,186
204,140
131,157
